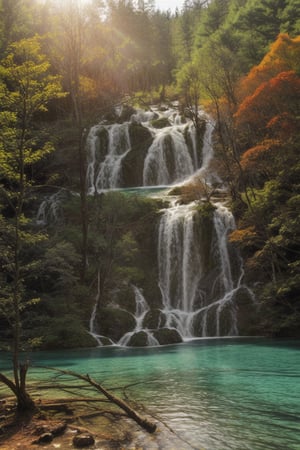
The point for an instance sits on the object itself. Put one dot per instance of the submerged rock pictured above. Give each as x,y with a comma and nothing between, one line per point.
83,440
45,438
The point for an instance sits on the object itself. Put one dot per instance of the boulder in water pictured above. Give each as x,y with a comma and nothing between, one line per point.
167,336
115,322
139,339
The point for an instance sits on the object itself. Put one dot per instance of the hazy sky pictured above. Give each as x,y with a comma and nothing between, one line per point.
169,4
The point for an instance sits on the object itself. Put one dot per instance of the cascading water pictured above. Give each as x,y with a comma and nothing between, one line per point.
179,263
168,158
190,293
141,310
50,210
199,274
200,291
157,171
107,174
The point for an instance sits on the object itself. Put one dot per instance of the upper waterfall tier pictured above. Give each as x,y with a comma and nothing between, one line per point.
151,149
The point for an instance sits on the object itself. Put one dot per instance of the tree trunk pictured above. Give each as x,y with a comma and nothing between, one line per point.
142,421
24,401
83,202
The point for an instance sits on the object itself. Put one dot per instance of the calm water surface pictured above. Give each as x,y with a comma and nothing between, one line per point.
215,394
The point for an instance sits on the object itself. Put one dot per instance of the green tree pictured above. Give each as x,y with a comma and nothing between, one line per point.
26,87
16,21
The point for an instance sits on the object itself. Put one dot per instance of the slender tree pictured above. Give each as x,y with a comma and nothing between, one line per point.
25,90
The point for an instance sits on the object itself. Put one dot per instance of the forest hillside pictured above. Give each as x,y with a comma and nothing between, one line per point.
66,66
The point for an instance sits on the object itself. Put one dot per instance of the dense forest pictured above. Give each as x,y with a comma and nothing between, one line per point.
64,66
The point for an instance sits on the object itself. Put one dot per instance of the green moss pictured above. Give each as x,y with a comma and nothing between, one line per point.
153,319
167,336
115,322
177,190
139,339
160,123
206,210
204,225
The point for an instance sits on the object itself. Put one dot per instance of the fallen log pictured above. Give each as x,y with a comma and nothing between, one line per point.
147,424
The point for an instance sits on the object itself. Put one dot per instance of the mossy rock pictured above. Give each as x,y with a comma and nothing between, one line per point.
177,190
101,144
126,112
124,298
226,320
139,339
105,341
110,117
167,336
133,163
114,323
151,290
160,123
210,323
154,319
247,312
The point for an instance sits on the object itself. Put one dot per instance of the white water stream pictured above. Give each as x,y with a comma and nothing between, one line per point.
107,174
141,310
169,158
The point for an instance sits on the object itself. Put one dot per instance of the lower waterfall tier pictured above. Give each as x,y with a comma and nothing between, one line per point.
199,290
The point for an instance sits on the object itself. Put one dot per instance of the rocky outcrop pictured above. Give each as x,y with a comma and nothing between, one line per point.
167,336
115,322
133,163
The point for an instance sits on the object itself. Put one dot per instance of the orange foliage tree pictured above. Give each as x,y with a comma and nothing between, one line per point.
279,95
283,56
267,128
258,161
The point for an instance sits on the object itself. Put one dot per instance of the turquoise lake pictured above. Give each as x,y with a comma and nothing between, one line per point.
215,394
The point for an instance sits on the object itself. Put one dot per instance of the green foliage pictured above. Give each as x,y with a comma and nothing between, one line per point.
118,232
64,332
206,210
160,123
25,90
206,48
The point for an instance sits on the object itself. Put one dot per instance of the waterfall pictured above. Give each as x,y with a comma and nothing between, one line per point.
92,330
167,146
207,148
186,295
199,273
224,223
92,324
50,209
168,158
141,310
179,264
225,283
107,174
